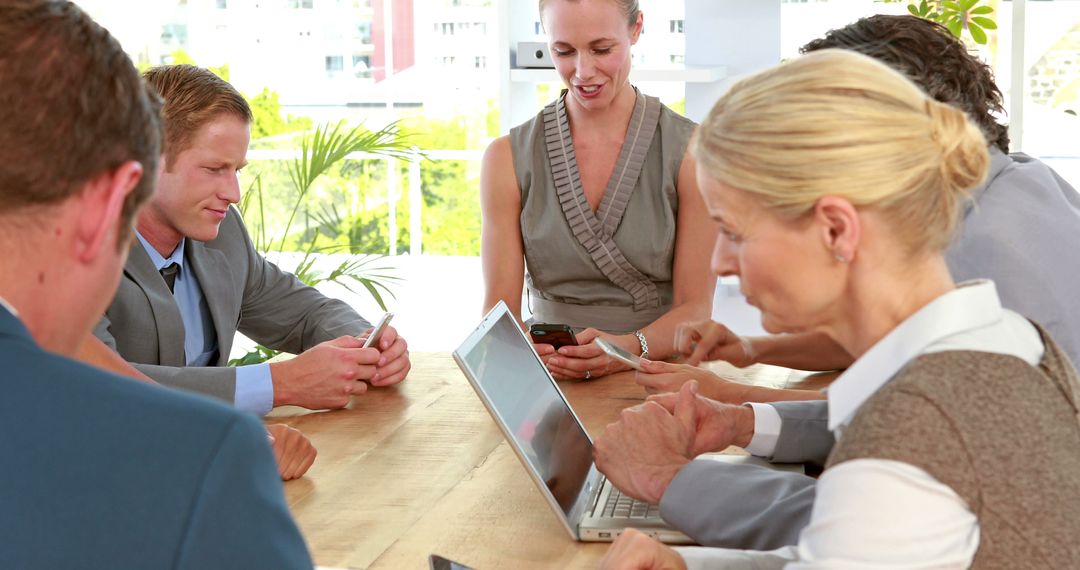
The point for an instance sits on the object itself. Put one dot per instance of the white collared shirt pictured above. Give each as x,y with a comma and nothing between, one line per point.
873,513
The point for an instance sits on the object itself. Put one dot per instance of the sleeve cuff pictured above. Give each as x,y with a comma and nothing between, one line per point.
254,389
767,426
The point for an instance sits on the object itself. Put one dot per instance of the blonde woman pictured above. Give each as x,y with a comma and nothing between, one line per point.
592,204
837,184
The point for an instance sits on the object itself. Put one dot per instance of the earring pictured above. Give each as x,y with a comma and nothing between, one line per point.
840,258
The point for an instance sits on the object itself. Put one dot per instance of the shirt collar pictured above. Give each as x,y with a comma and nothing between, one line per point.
970,306
160,262
6,305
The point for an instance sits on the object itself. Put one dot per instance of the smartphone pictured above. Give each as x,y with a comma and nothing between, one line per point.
376,333
616,352
555,335
439,563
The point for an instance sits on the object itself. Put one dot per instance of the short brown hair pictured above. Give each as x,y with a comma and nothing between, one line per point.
72,106
928,54
193,97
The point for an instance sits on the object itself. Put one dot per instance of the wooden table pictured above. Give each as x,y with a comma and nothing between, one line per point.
421,468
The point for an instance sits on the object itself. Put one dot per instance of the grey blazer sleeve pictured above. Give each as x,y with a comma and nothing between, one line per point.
738,506
279,311
239,518
804,433
216,381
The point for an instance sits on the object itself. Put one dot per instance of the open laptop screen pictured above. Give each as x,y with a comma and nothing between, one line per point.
522,393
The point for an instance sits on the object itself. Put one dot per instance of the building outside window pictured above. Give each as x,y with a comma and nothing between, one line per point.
335,65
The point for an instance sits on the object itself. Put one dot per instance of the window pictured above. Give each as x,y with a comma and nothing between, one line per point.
335,64
307,4
480,62
678,59
361,66
676,26
222,4
1050,79
362,32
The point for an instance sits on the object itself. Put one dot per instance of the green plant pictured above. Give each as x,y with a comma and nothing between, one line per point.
958,16
320,151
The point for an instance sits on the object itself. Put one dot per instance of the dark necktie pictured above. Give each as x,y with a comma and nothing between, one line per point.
168,273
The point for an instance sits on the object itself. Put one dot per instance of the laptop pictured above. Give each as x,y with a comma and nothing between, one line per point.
547,436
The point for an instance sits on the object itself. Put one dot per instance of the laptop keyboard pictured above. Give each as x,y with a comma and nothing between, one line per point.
621,506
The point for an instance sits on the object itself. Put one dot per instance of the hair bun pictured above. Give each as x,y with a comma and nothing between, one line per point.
964,161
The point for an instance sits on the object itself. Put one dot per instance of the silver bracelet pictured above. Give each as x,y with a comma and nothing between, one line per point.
644,343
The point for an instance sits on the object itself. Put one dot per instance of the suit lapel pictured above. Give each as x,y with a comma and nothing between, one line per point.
163,308
209,266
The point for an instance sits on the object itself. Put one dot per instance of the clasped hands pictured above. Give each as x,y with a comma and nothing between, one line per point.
643,451
328,374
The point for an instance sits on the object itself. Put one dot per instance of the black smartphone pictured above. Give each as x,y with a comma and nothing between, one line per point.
555,335
439,563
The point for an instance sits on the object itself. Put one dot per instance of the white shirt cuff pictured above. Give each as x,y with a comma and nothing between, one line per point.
254,389
767,426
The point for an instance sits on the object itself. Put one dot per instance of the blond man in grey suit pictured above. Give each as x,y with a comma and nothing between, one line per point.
193,277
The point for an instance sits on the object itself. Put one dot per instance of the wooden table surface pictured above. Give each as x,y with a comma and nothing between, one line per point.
421,468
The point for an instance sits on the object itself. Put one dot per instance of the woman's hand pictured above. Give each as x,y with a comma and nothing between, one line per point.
710,340
662,377
587,361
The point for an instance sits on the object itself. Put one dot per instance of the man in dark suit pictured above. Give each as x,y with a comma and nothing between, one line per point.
102,471
193,277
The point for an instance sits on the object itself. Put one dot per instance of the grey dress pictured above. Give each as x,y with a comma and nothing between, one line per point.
611,269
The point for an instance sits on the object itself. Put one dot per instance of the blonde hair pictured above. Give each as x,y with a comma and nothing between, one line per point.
838,123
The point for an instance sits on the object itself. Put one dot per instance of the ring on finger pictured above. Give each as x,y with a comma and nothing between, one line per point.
588,374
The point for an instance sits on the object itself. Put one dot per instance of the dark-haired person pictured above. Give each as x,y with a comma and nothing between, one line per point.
1010,232
193,277
102,471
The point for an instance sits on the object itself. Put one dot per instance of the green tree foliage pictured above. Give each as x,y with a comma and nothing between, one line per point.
973,16
268,116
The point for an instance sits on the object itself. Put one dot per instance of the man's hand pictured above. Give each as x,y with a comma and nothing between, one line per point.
326,375
393,365
661,377
717,425
709,340
292,450
634,550
643,451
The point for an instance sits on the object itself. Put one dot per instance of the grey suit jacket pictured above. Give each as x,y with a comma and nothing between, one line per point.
106,472
1016,231
243,291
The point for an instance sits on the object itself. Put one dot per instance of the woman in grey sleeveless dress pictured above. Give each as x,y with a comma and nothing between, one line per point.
593,204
